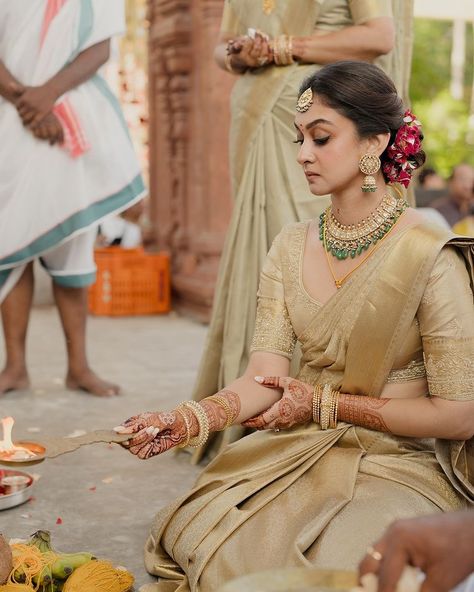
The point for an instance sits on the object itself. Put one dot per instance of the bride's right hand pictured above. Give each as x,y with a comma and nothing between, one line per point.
153,432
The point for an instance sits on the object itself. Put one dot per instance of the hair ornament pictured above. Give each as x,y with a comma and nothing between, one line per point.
305,101
402,153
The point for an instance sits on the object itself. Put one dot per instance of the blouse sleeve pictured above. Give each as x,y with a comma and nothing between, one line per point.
230,24
273,329
446,317
365,10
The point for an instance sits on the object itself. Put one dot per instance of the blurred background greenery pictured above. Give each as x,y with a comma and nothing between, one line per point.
442,90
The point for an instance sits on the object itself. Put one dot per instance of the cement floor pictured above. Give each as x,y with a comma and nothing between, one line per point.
105,498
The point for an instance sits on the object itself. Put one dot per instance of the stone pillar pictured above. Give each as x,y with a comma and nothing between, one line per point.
189,127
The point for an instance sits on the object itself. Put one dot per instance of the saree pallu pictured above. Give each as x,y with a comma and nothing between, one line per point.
307,497
46,195
269,187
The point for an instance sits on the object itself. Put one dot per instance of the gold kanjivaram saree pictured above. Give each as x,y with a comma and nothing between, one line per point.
269,187
304,496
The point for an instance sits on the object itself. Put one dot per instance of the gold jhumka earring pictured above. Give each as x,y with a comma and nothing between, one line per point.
369,164
305,101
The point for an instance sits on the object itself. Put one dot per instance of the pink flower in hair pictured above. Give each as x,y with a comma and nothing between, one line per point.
404,177
407,143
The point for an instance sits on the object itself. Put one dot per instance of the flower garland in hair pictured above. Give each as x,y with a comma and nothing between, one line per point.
407,143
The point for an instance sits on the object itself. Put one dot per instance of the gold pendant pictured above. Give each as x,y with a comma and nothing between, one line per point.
338,283
268,6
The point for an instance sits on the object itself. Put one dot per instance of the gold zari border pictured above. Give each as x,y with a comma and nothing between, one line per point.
414,370
450,368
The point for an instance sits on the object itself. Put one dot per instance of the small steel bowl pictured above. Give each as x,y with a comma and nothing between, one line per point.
17,485
38,450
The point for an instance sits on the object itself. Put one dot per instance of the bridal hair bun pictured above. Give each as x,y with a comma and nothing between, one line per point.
367,96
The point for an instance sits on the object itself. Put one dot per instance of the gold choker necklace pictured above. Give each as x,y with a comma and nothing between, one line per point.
344,241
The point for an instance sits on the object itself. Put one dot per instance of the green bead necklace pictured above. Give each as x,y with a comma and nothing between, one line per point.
344,241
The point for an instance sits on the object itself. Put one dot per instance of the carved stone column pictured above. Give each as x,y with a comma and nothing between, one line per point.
189,125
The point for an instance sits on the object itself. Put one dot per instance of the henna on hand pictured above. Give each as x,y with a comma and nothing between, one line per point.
363,411
153,432
294,408
217,414
251,53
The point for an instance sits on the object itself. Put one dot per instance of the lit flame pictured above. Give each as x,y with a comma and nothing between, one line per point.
6,445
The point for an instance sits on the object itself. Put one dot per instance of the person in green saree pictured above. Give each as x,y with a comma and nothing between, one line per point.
269,189
379,422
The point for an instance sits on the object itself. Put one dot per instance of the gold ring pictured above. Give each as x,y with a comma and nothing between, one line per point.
377,555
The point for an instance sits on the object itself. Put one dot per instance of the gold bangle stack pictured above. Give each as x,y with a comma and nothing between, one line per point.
325,406
334,407
224,403
184,417
283,50
317,403
203,423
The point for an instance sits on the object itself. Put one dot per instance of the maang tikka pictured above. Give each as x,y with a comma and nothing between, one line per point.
305,101
369,164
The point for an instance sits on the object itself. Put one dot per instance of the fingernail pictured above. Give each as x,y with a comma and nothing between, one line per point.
156,431
119,429
259,379
149,430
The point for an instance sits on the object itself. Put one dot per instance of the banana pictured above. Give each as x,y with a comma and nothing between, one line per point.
44,578
42,540
66,563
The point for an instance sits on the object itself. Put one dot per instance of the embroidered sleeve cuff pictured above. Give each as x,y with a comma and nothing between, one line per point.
273,329
449,367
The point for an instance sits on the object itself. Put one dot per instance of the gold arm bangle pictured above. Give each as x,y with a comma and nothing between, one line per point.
335,405
183,415
224,403
283,50
325,407
203,423
317,404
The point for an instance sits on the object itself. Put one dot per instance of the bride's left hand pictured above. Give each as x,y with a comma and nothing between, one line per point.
294,408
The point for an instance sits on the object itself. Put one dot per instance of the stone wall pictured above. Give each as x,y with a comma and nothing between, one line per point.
189,126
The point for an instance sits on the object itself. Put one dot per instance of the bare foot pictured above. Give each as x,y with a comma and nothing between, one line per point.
88,381
13,380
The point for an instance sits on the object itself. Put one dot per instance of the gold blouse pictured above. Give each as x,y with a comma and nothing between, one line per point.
438,345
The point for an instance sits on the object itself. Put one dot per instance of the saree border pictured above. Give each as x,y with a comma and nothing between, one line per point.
402,281
77,222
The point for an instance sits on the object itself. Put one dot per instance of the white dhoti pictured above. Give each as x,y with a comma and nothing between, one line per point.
49,196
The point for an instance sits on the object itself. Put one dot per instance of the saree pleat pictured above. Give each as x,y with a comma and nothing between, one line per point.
269,188
283,499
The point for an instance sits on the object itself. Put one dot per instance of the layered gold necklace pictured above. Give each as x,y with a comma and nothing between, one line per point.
268,6
344,241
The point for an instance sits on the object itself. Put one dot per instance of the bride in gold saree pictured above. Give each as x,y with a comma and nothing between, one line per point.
379,422
269,190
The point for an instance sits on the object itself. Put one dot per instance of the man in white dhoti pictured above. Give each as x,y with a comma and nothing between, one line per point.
66,161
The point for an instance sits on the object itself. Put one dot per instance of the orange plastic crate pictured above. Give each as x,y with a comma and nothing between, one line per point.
130,282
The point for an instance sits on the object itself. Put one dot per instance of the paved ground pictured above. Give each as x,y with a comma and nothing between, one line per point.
155,360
